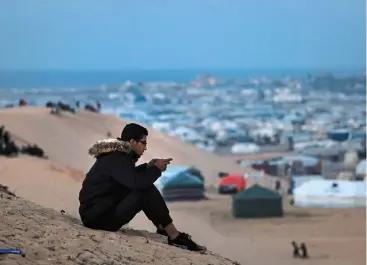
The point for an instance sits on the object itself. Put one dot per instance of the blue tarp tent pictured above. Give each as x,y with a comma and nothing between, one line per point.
338,135
331,193
177,183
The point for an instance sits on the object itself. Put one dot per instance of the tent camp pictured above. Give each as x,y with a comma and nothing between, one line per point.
256,202
231,184
178,183
330,193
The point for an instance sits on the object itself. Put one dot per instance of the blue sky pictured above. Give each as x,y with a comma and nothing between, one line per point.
182,34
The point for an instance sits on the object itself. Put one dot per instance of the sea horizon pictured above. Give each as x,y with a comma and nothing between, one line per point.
56,78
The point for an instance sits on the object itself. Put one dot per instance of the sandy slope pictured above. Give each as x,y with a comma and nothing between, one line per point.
42,181
66,139
47,237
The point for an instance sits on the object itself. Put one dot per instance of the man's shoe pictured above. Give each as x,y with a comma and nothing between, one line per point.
184,241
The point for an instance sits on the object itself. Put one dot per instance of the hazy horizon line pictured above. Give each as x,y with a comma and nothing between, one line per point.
186,69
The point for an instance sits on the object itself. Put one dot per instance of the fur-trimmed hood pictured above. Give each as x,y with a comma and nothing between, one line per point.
109,145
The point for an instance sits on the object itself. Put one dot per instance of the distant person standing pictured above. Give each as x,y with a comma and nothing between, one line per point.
22,102
278,185
2,130
6,137
290,143
99,105
362,150
115,189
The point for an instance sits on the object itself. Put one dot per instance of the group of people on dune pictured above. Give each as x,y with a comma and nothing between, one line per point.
8,147
57,107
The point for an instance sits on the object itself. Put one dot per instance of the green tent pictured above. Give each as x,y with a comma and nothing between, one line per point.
256,202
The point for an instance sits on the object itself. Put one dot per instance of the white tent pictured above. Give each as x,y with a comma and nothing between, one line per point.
161,126
186,134
330,193
361,168
297,181
245,148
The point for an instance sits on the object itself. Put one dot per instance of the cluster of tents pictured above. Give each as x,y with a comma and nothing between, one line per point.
187,183
250,202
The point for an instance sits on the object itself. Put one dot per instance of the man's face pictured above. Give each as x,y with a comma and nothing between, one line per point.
139,146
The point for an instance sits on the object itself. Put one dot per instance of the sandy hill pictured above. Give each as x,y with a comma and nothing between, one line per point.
43,182
66,139
47,237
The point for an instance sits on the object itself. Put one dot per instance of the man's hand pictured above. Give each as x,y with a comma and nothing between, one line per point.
162,163
151,162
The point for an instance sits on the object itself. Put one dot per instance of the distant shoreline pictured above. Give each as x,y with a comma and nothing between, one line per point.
83,78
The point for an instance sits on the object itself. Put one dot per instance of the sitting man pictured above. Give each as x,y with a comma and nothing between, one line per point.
115,190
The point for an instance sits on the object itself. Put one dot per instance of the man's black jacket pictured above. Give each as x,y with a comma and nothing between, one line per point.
112,177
